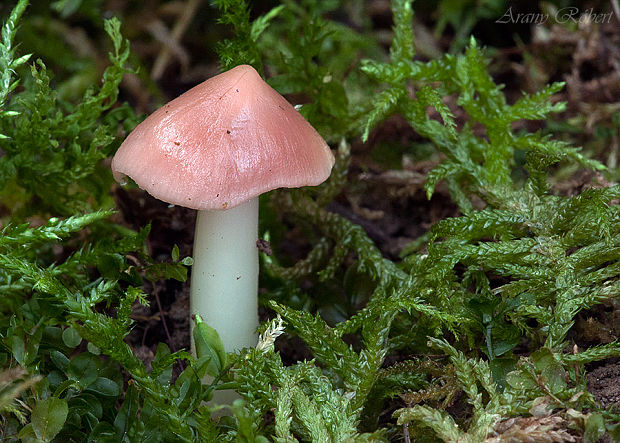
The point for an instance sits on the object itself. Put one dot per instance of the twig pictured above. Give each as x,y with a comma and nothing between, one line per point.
163,321
181,363
171,43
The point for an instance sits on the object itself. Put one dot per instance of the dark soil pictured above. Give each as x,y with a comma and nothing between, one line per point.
604,384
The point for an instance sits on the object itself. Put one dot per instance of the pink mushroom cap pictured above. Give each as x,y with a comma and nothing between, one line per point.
223,142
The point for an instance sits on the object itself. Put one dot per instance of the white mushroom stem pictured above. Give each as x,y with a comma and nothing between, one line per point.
224,286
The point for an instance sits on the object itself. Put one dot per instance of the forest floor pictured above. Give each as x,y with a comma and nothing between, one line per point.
385,193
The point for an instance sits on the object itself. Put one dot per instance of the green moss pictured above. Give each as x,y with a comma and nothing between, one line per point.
514,269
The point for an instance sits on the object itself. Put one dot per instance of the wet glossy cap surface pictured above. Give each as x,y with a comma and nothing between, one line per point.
223,142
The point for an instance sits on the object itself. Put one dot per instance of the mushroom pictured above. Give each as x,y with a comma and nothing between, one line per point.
216,148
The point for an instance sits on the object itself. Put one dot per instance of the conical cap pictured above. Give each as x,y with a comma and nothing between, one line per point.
223,142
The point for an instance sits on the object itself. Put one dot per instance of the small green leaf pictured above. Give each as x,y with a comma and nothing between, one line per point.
160,271
105,386
93,349
551,370
261,23
27,435
520,381
48,417
60,360
209,344
500,368
21,60
187,261
103,432
83,369
71,338
614,431
127,413
595,428
162,364
175,253
18,349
